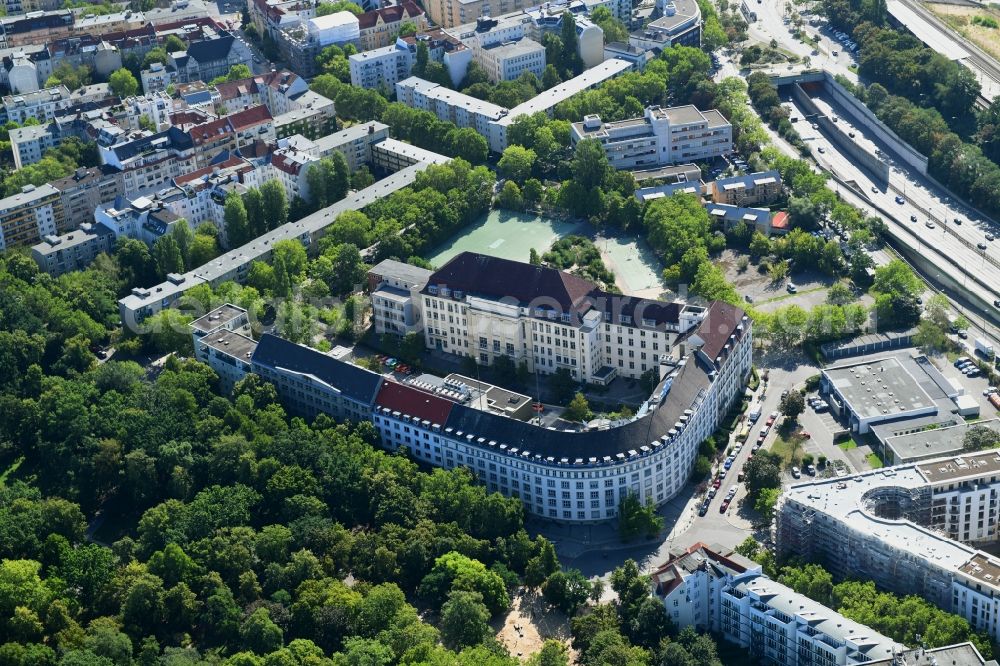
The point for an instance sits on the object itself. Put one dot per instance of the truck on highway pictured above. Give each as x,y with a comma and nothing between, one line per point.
984,347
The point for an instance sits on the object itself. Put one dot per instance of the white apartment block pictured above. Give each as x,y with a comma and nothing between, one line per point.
451,105
502,47
42,105
156,107
506,61
394,288
662,136
28,144
909,529
489,119
715,589
157,78
381,68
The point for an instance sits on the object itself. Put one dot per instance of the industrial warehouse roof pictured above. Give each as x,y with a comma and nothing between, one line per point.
879,387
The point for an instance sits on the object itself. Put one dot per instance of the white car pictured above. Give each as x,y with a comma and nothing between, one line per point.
796,473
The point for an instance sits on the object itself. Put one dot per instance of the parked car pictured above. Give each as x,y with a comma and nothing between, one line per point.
900,200
723,507
929,224
791,288
913,218
957,221
811,470
796,473
712,492
703,509
981,245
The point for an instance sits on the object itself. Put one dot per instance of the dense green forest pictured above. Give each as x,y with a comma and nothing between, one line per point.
145,519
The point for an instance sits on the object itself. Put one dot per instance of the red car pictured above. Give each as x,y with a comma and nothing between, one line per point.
717,483
806,434
724,506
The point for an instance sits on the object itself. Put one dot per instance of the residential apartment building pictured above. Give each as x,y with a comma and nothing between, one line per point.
30,215
86,189
235,264
222,339
354,143
489,119
662,136
394,288
157,78
717,590
295,108
42,105
753,189
208,58
378,28
912,529
451,105
502,46
451,13
506,61
74,250
28,144
383,68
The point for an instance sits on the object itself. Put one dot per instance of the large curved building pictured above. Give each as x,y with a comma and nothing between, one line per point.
561,472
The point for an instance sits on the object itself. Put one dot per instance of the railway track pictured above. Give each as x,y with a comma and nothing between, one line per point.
978,59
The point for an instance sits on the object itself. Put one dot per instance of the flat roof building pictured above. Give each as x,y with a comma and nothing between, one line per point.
74,250
931,442
661,136
32,214
911,529
878,391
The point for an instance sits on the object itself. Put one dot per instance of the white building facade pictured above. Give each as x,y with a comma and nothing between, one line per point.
661,137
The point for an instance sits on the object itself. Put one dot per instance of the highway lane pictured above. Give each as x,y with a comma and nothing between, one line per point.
921,199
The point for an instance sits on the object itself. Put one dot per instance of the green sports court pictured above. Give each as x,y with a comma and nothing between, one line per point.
508,235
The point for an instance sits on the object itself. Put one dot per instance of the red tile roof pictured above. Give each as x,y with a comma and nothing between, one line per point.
255,115
780,220
233,89
414,402
394,14
209,131
191,176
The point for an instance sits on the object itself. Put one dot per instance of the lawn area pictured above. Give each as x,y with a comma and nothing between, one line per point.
874,461
789,448
848,445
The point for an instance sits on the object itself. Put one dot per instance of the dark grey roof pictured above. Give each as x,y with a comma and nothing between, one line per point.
353,381
543,288
559,444
210,50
